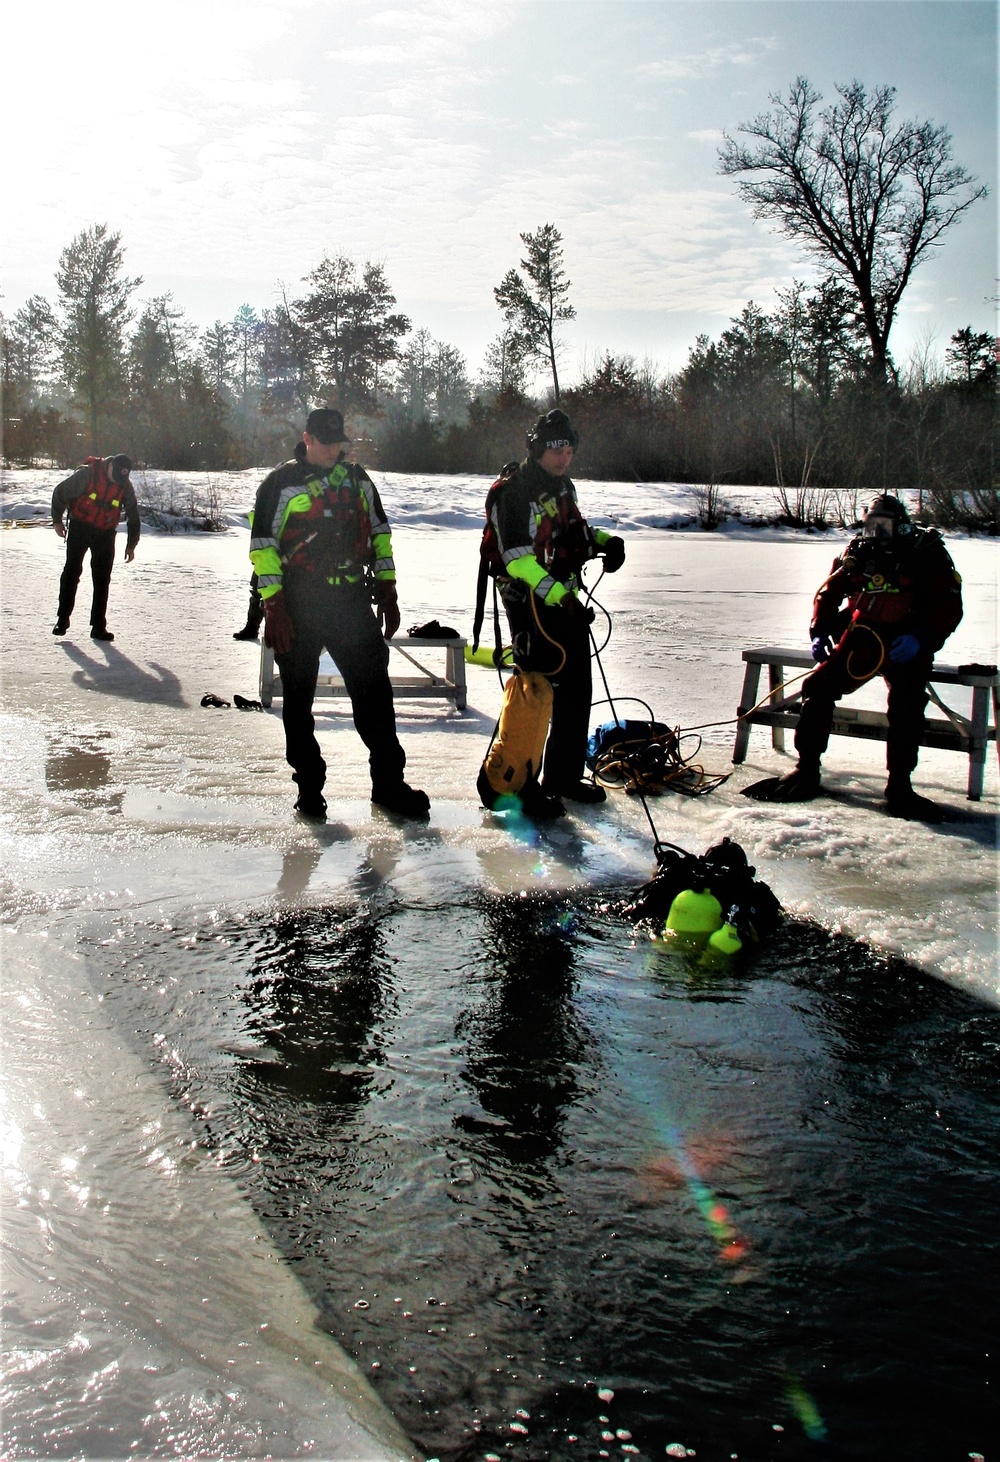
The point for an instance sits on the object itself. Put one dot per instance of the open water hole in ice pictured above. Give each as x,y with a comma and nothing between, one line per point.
563,1193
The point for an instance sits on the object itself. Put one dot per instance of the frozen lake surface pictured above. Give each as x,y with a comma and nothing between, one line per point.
167,1116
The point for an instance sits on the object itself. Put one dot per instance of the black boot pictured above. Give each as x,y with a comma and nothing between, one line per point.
248,632
582,791
60,627
311,805
800,785
902,801
404,800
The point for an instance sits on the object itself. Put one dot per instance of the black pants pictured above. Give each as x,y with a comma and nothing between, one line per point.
341,621
907,701
255,609
544,638
101,542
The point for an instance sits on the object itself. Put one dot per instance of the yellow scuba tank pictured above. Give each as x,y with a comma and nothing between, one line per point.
516,754
694,913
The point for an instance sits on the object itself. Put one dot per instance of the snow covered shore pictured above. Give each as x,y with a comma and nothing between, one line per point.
123,801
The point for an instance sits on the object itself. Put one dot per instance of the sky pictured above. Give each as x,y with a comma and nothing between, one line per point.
234,144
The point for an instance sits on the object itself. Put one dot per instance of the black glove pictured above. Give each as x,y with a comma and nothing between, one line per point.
386,607
614,555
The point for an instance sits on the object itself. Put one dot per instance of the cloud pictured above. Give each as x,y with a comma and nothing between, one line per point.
695,65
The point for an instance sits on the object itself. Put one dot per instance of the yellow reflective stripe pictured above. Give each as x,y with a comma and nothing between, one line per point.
267,565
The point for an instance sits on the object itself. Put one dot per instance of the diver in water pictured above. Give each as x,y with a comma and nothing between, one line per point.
903,599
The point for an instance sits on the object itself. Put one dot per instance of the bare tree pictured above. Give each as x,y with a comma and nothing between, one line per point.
868,195
535,306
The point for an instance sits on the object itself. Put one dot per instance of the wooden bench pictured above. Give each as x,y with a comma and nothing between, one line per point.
951,732
449,685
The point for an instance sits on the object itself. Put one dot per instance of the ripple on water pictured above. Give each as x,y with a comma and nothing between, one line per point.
562,1193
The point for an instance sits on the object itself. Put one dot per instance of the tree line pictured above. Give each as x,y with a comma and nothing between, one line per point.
804,396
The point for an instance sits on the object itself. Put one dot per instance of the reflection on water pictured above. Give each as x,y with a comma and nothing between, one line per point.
81,768
563,1195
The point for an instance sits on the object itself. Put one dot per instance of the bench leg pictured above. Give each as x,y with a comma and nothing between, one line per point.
977,753
776,678
748,699
455,672
266,675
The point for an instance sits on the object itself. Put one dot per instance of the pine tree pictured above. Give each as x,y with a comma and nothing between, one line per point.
95,294
535,305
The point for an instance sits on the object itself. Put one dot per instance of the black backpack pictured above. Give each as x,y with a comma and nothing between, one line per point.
490,559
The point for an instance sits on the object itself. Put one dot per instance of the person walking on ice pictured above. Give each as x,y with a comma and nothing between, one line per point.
322,553
95,496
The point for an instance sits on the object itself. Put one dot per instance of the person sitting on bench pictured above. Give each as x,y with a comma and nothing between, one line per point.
903,599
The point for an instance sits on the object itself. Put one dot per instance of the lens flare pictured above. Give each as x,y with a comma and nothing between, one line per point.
805,1409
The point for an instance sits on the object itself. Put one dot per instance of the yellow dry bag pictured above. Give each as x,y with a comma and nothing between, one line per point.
516,755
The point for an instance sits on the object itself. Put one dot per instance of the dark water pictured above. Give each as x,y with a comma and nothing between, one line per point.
521,1159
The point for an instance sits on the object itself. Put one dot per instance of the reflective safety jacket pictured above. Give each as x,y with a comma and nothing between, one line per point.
94,498
319,521
907,583
544,539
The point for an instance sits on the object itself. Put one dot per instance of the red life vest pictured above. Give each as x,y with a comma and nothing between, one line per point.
563,541
333,537
101,505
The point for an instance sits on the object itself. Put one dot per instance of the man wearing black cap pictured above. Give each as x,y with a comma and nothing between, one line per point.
95,495
322,553
544,541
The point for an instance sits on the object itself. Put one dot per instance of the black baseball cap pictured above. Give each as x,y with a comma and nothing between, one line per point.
326,425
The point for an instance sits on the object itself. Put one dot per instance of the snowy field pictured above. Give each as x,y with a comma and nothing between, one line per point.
124,801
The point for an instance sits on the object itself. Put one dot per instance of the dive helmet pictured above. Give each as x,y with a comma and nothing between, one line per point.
885,517
552,430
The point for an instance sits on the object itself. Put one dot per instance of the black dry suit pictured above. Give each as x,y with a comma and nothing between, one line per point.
96,500
321,538
543,541
904,585
723,871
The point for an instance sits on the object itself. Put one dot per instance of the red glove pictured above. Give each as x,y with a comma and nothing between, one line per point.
387,608
279,632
